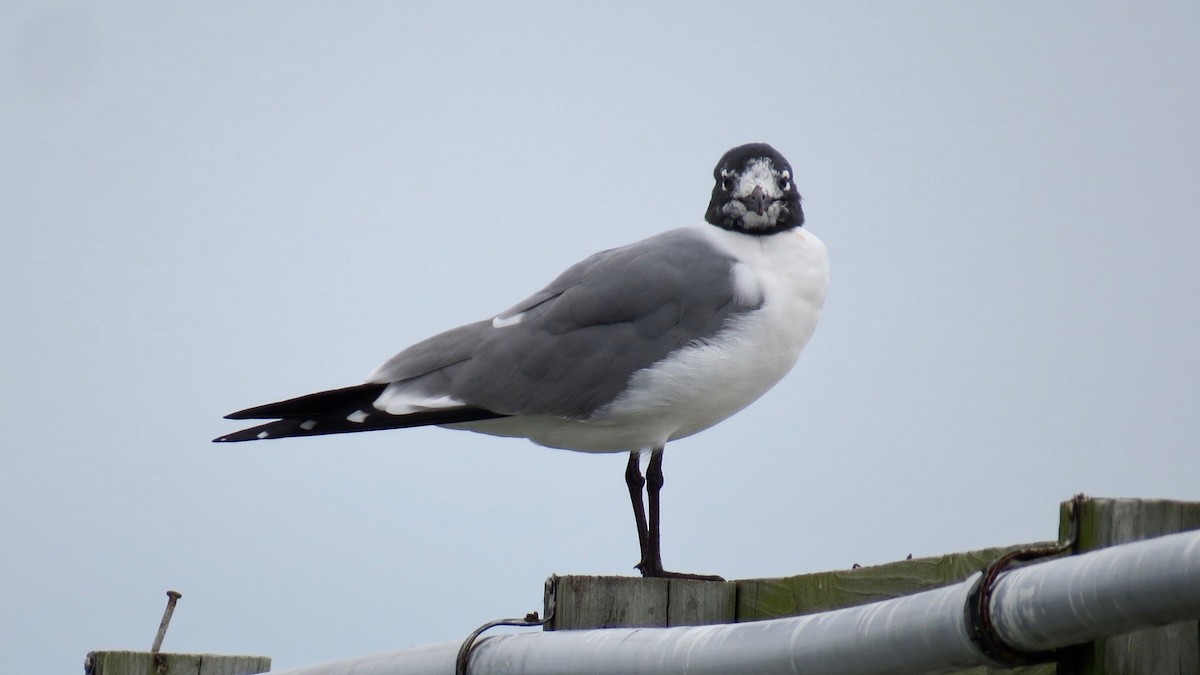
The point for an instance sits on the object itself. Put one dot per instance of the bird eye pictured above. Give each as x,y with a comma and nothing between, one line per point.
726,182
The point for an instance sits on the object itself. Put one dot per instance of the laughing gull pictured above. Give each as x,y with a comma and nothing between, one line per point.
627,350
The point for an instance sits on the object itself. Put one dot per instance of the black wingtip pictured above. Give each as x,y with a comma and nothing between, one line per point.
262,432
287,428
312,405
239,436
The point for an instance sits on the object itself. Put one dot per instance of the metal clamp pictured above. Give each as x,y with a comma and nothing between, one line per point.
531,619
980,626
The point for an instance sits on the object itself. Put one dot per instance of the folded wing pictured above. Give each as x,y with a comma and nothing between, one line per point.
565,351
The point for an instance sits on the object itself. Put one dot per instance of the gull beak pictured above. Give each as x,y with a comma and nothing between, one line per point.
756,201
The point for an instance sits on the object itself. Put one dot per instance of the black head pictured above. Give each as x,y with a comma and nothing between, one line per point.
755,192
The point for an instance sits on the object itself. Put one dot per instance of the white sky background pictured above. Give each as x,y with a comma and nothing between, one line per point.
210,206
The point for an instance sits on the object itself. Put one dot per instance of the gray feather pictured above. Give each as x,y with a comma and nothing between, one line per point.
598,323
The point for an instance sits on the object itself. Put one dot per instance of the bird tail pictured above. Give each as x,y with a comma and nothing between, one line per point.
340,411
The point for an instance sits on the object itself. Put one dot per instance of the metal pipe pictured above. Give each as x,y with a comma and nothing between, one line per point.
1107,592
1040,607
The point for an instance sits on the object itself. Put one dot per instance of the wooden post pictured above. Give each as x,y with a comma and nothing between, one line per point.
145,663
1167,649
584,602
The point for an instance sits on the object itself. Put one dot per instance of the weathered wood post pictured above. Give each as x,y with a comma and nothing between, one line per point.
1168,649
583,602
146,663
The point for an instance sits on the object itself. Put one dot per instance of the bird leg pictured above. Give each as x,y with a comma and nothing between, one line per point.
651,564
652,557
635,482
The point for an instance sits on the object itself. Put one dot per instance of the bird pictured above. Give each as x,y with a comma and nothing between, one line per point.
630,349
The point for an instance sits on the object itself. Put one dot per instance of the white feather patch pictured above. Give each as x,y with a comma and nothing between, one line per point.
747,286
358,416
502,321
397,399
761,174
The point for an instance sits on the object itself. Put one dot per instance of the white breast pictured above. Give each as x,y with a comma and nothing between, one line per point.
703,384
706,383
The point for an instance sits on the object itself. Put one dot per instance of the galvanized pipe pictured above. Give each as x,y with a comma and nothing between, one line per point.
1107,592
1036,608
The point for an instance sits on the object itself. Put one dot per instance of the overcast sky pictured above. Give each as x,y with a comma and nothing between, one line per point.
208,206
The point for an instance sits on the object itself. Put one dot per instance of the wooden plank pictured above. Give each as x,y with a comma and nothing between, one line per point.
1163,650
211,664
759,599
144,663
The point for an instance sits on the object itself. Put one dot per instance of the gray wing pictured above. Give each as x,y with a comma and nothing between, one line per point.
571,347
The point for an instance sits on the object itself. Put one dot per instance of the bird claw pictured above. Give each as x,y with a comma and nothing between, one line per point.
658,572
